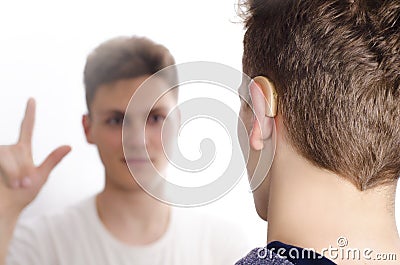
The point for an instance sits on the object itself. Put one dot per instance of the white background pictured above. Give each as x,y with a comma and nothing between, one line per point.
43,49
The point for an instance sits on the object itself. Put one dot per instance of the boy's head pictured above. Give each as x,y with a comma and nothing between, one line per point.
335,66
123,58
113,73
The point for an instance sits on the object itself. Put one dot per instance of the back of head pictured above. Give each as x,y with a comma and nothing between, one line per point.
123,58
336,68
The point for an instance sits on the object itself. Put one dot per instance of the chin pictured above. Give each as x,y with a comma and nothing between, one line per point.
123,182
261,204
130,186
262,213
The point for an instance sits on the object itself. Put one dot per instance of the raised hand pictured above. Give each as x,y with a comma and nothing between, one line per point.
20,179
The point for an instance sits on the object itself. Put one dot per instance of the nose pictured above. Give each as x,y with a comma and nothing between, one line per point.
133,134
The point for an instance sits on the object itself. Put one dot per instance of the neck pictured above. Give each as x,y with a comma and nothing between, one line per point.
133,217
324,207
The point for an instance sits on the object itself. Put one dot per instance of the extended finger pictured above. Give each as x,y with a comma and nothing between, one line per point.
52,160
10,173
28,123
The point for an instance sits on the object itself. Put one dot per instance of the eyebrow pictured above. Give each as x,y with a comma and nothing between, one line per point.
122,114
159,109
111,112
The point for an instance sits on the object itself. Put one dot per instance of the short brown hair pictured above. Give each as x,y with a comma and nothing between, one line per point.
336,67
122,58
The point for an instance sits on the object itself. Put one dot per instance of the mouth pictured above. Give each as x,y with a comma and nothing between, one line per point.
136,161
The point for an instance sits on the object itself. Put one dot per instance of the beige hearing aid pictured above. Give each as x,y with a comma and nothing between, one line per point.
270,94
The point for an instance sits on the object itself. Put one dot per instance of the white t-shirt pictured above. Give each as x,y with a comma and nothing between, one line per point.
77,237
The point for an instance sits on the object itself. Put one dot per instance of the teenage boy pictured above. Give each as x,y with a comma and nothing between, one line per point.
326,74
122,224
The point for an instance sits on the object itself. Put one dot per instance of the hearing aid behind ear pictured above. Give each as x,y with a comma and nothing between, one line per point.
270,94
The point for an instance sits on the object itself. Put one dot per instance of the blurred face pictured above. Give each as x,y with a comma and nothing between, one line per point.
143,146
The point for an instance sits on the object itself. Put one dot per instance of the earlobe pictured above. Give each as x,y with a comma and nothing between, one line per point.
86,123
264,99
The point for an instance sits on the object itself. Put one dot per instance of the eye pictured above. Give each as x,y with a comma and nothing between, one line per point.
114,121
155,119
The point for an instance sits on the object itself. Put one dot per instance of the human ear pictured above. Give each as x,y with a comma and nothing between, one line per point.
265,101
87,123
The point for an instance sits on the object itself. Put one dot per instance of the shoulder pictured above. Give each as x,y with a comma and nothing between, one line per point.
263,256
57,224
39,240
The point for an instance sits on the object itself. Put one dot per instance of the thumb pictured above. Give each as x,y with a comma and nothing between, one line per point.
52,160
